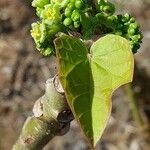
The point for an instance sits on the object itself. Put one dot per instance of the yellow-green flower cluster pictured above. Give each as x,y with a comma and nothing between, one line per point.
39,34
80,17
51,14
53,19
43,31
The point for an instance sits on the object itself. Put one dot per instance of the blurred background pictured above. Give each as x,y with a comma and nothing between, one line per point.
23,72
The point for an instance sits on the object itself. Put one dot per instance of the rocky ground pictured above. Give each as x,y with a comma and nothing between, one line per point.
23,73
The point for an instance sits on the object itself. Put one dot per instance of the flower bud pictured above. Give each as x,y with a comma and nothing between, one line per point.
68,12
78,4
39,3
76,24
75,15
134,25
131,31
67,22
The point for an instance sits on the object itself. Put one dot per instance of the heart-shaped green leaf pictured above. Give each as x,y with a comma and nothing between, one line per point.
90,78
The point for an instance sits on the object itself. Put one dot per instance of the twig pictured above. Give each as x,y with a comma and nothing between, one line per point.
52,117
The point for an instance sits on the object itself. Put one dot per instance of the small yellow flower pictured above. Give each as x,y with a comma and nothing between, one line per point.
35,32
51,14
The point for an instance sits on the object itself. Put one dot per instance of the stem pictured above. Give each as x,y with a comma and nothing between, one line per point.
52,117
93,4
134,105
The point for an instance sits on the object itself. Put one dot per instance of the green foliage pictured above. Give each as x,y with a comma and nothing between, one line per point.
129,28
90,77
125,26
83,17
